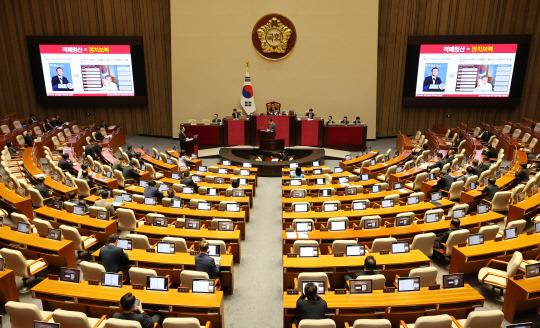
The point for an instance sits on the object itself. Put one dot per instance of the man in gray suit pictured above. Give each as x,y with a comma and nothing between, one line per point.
205,263
113,257
271,125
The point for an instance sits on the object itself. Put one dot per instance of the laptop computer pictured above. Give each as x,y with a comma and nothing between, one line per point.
44,324
432,217
376,188
399,169
320,181
57,205
118,200
371,224
298,193
456,280
532,270
164,187
296,182
293,165
246,165
316,163
408,284
316,171
458,213
159,284
127,197
413,200
331,207
214,251
510,233
364,177
350,191
521,325
325,192
244,172
211,192
343,180
243,181
70,275
205,286
160,221
175,176
150,201
403,221
222,170
397,185
386,203
338,169
348,157
78,210
176,203
204,206
232,207
226,163
476,239
188,190
238,193
483,208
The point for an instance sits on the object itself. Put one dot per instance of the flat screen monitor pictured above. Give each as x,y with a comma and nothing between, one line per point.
165,247
360,286
226,163
298,193
348,157
321,285
316,171
211,191
238,193
188,190
343,180
532,270
54,234
232,207
521,325
316,163
214,250
436,196
78,210
70,275
371,224
330,207
355,250
364,177
143,168
108,174
192,224
23,227
301,208
397,185
169,161
483,208
225,226
510,233
293,165
244,172
111,279
472,185
206,286
164,187
204,206
125,243
399,169
309,251
247,165
222,170
373,162
400,247
57,205
176,203
320,181
537,227
175,176
2,267
118,200
409,284
243,181
304,226
150,201
458,213
338,226
386,203
127,197
156,157
202,168
456,280
196,178
432,217
376,188
476,239
403,221
296,182
359,205
160,221
45,324
69,182
325,192
159,284
338,169
412,200
351,191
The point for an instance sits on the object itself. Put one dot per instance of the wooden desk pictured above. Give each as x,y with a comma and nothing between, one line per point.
86,225
394,307
521,295
402,158
17,203
470,259
524,209
159,165
335,176
231,238
405,175
250,189
8,287
110,159
286,171
192,163
345,135
473,197
174,264
97,178
57,253
336,267
230,168
351,164
339,187
252,178
97,300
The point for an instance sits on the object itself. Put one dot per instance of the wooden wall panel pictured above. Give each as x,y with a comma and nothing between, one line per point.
149,19
400,18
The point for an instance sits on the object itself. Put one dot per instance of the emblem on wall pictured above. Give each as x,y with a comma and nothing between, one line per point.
274,36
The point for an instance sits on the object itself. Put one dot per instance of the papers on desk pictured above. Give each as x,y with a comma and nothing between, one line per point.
40,175
373,152
384,164
403,190
344,185
303,235
291,235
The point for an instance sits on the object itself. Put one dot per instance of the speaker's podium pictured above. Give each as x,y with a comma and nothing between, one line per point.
269,143
191,147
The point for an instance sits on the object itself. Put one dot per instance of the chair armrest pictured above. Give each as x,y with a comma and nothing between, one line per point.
456,322
493,274
291,250
329,250
208,324
296,283
293,325
495,260
156,325
402,324
229,252
218,284
347,325
368,248
49,317
191,248
34,262
100,321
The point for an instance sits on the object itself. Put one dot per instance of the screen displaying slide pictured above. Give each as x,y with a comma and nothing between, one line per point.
465,70
87,70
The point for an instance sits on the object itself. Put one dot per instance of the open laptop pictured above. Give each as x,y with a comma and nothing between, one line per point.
320,182
164,187
400,247
321,285
222,170
309,251
360,286
483,208
238,193
111,279
204,206
57,205
343,180
456,280
70,275
188,190
143,183
244,172
348,157
243,182
118,200
175,176
325,192
316,163
397,185
211,192
364,177
296,182
432,217
537,227
247,165
202,168
160,221
214,251
436,197
226,162
165,247
196,178
458,213
350,191
127,197
125,243
159,284
54,234
338,226
376,188
206,286
409,284
338,169
293,165
399,169
192,224
476,239
355,250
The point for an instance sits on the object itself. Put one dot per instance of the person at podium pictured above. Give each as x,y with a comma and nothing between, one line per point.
235,114
310,114
183,138
216,119
357,121
330,121
344,121
271,126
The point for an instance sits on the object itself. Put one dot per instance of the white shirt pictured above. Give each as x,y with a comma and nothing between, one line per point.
484,87
110,87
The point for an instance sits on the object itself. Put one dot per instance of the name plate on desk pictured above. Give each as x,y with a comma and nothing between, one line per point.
93,282
462,245
384,252
434,287
137,286
518,277
389,289
193,253
183,289
147,223
292,255
179,225
292,292
357,228
212,228
150,250
289,230
339,254
340,291
420,222
530,232
53,277
324,229
348,209
390,225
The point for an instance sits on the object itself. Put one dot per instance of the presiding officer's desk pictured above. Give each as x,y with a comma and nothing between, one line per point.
337,186
405,233
469,259
33,246
396,306
387,214
524,209
193,237
96,301
239,218
8,287
173,264
86,224
250,189
351,164
389,265
521,295
17,203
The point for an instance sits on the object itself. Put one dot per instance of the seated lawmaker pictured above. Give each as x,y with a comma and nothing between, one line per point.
48,125
12,151
490,190
345,120
130,152
310,114
439,164
32,120
86,177
74,199
490,153
28,139
235,114
43,190
369,269
188,182
58,120
216,119
235,183
206,263
131,173
357,121
103,202
152,191
454,225
66,164
523,174
330,121
310,305
128,312
297,174
104,124
445,180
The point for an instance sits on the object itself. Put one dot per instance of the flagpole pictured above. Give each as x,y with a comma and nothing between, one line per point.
247,65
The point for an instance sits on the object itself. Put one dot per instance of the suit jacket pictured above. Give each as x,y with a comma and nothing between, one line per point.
113,258
49,127
489,191
28,139
357,123
152,192
45,193
188,182
130,173
344,122
216,120
445,182
108,205
329,122
485,166
130,154
55,80
311,309
97,152
235,115
444,237
78,203
89,150
66,165
477,170
429,80
485,136
144,318
99,136
440,164
310,115
272,126
182,137
32,121
205,263
523,175
492,153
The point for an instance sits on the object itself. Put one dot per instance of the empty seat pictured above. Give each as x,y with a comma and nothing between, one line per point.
340,246
484,319
370,323
22,267
382,244
489,231
424,242
22,315
187,276
120,323
183,323
91,270
75,319
498,278
378,281
296,221
180,245
432,321
138,275
298,243
428,276
317,323
127,220
80,243
139,241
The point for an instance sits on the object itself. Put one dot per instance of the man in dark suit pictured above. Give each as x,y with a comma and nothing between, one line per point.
216,119
490,190
450,157
445,181
523,174
273,110
127,306
205,263
477,170
74,199
12,151
44,191
188,182
485,135
310,114
130,152
28,139
32,120
330,121
182,137
369,269
357,121
271,126
130,172
48,125
433,79
235,114
486,164
454,225
86,177
113,257
58,120
345,120
439,164
59,78
310,305
89,149
491,152
152,191
97,151
104,124
99,136
65,164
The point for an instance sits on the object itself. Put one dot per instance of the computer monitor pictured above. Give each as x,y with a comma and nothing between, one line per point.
321,285
330,207
537,227
373,162
409,284
296,182
348,157
397,185
238,193
175,176
316,163
320,181
127,197
57,205
232,207
371,224
2,267
143,183
497,175
108,174
532,270
455,280
44,324
458,213
400,247
214,250
298,193
102,215
69,182
436,196
359,205
169,161
192,224
125,243
160,221
412,200
483,208
244,172
225,226
78,210
472,185
204,206
364,177
338,226
164,187
350,191
246,164
202,168
338,169
403,221
23,227
304,226
293,165
300,208
355,250
510,233
226,162
143,167
96,169
325,192
54,234
118,200
432,217
211,192
196,178
386,203
165,247
156,157
399,169
309,251
476,239
176,203
150,201
111,279
316,171
521,325
343,180
376,188
222,170
360,286
243,181
206,286
188,190
70,275
159,284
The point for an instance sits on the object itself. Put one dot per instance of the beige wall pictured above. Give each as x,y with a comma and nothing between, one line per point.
333,68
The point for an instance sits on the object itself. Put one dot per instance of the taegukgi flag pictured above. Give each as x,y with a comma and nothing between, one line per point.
247,99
